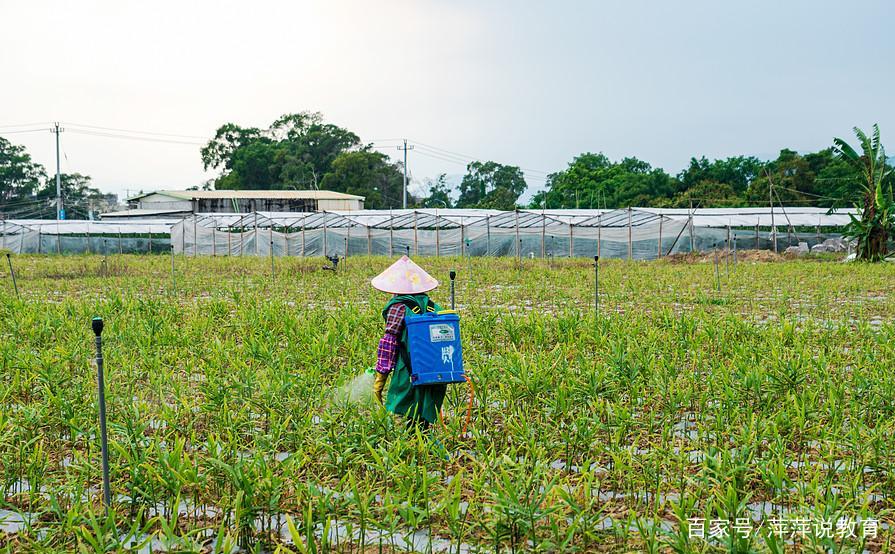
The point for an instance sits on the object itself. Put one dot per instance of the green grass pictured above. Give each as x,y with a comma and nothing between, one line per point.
226,428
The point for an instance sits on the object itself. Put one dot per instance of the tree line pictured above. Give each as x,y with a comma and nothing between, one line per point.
28,192
303,151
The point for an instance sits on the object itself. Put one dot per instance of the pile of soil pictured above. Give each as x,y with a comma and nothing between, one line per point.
709,257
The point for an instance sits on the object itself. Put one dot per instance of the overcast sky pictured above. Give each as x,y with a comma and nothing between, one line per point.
526,83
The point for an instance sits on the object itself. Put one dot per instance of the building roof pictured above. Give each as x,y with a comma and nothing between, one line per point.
143,213
256,194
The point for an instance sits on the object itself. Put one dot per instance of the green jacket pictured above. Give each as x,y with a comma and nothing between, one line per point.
417,403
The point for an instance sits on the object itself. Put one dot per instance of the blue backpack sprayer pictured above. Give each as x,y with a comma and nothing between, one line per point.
436,354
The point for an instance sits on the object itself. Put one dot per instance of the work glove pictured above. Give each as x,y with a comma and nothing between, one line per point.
378,385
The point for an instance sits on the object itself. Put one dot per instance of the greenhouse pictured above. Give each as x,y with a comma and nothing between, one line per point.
632,233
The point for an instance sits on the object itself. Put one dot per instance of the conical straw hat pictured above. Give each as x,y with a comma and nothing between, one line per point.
404,277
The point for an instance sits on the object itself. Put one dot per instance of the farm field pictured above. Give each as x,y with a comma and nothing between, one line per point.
762,396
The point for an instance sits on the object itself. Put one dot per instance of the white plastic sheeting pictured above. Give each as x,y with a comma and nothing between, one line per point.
41,236
81,227
763,217
702,217
635,233
628,233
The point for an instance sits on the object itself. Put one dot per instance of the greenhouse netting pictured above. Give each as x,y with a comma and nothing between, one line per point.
633,233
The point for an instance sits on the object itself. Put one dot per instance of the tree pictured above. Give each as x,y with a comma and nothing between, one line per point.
877,219
439,193
708,193
78,198
491,185
218,153
793,177
253,167
295,152
736,172
593,181
20,179
370,174
309,147
835,180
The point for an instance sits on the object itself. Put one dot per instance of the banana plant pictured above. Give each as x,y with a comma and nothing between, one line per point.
877,211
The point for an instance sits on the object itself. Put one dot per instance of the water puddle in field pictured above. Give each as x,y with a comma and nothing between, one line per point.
12,522
408,541
838,466
609,523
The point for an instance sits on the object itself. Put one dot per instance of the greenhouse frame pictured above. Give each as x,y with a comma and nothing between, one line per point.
632,233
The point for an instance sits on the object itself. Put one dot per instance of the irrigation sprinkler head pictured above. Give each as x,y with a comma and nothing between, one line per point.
453,274
97,324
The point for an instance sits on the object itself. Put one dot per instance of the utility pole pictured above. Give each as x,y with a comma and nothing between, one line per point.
405,148
60,211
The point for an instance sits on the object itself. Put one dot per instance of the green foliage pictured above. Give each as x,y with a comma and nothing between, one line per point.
587,435
20,178
78,198
491,185
736,172
26,191
439,194
593,181
295,152
367,173
877,221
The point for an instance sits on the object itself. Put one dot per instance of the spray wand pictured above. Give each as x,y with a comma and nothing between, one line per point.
453,276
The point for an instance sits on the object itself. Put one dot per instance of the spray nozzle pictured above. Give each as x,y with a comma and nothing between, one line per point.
97,324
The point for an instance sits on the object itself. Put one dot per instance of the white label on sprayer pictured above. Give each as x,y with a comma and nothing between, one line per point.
441,332
447,355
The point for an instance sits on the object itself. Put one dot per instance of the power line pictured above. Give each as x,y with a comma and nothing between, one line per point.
21,205
468,157
23,131
466,163
25,124
807,193
129,137
532,174
153,133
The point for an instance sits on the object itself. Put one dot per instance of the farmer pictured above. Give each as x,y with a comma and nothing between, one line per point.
409,284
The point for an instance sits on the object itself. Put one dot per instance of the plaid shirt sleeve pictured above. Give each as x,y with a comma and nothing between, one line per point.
387,353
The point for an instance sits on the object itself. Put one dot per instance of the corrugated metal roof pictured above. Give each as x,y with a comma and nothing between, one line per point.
142,213
259,194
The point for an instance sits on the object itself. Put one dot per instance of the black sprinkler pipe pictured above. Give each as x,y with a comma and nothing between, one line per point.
97,325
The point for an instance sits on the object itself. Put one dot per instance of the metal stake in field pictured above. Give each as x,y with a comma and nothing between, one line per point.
734,251
596,286
453,275
13,275
97,324
272,269
727,259
717,269
173,279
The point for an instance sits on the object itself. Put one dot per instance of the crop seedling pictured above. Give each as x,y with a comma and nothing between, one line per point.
770,397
